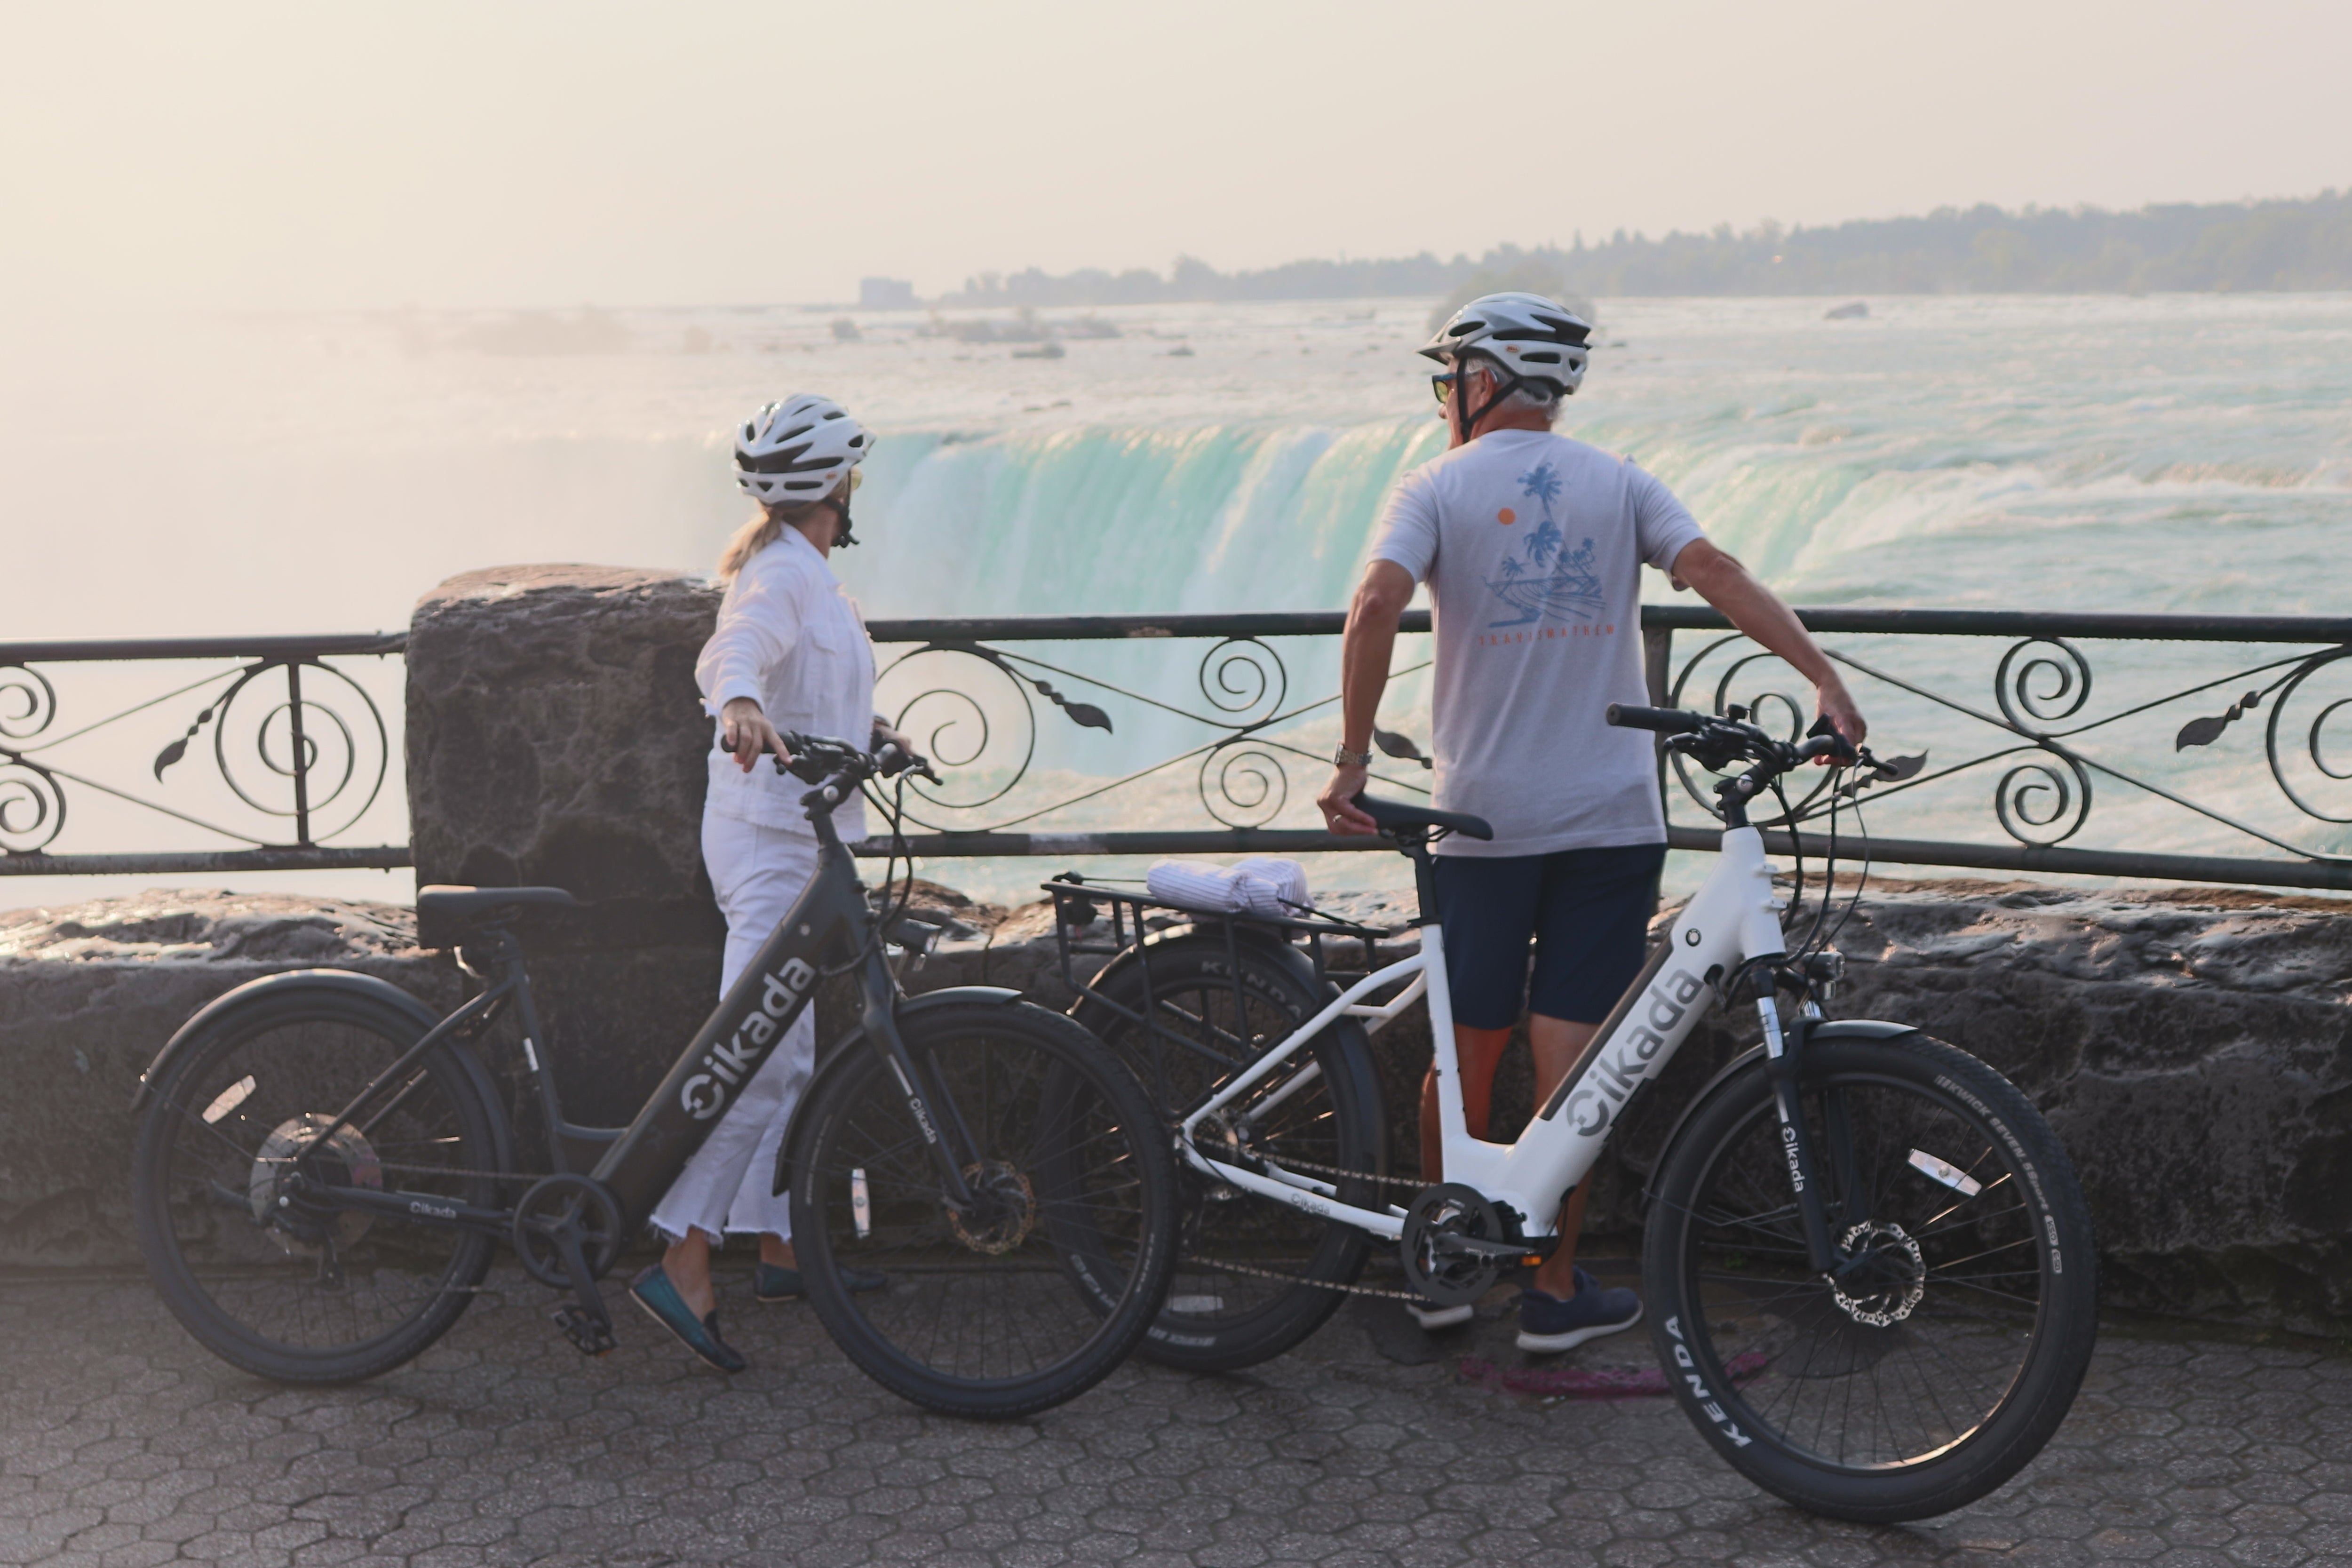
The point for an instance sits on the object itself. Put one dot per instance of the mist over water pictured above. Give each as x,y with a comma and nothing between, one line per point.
2189,454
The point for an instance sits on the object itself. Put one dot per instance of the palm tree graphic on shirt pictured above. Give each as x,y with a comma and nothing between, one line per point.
1547,581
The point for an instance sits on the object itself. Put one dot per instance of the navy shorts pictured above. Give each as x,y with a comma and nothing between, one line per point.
1587,910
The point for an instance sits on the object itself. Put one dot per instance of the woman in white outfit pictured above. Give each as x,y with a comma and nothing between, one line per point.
790,652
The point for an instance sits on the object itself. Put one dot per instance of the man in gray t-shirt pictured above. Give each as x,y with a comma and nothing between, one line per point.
1532,546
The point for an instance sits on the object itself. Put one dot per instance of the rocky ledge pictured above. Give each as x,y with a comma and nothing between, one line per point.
90,994
2192,1047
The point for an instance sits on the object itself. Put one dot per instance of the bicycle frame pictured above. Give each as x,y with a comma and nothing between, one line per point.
825,923
751,1021
1732,919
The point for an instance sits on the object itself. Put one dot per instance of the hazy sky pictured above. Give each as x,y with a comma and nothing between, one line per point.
527,153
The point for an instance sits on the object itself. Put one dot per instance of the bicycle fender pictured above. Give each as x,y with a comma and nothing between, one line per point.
1824,1029
272,986
913,1006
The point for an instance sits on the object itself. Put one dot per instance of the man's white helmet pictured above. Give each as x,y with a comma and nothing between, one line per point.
797,449
1534,338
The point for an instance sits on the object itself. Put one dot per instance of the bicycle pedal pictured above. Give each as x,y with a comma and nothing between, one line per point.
591,1333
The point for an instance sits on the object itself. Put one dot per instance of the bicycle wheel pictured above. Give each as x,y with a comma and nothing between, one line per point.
229,1154
992,1311
1254,1278
1938,1366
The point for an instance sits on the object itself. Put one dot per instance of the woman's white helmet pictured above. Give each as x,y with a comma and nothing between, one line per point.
1533,338
797,448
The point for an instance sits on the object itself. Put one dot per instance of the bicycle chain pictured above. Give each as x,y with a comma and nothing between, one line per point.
1319,1284
1321,1169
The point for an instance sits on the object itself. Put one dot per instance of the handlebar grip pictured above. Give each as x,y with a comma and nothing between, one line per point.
1666,720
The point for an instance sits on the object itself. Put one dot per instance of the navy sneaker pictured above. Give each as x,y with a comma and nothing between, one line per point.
775,1282
653,1291
1547,1323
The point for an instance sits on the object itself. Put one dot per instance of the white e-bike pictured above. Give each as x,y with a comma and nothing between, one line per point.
1869,1271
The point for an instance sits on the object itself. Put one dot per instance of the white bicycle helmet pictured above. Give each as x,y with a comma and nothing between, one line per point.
797,449
1533,338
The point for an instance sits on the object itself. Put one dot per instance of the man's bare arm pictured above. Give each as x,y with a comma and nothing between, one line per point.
1365,649
1758,611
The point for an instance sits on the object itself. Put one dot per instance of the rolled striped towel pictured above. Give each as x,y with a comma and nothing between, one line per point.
1258,886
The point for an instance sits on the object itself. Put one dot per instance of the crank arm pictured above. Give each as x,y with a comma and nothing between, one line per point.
1478,1246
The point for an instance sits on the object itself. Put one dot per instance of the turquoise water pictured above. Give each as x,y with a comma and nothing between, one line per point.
2163,454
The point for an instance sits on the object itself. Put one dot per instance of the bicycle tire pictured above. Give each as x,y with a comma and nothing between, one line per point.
1082,1207
240,1105
1218,1318
1931,1376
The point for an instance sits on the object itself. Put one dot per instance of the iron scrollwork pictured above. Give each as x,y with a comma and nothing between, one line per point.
2042,689
331,767
1240,779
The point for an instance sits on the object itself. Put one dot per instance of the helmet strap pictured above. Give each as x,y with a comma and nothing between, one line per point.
1465,420
840,503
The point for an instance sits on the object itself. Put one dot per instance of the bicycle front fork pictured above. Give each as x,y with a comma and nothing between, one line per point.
1782,1052
946,1138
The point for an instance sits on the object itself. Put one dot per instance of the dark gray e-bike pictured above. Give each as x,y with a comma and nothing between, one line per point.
324,1168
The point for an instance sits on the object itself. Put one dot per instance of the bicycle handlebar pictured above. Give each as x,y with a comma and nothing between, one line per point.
1666,720
817,758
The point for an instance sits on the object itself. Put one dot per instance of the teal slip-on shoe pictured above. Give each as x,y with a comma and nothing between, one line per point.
773,1282
653,1292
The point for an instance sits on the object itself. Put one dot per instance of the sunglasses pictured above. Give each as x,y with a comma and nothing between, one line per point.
1443,382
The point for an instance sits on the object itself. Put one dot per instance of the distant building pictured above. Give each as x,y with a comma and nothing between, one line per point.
884,294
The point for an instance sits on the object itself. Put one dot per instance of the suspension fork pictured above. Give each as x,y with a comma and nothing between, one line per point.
925,1097
1782,1054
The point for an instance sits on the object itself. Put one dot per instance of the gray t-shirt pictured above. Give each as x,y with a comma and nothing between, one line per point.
1532,546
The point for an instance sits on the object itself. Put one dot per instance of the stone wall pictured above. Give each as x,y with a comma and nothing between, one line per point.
2192,1047
88,996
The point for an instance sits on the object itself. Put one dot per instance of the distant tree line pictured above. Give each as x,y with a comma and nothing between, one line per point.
2270,245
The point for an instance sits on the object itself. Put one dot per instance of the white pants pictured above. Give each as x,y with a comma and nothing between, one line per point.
757,872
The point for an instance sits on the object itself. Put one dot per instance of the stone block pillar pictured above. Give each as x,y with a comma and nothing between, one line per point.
555,736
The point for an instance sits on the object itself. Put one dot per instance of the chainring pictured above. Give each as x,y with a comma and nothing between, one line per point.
553,1203
1447,1277
346,1159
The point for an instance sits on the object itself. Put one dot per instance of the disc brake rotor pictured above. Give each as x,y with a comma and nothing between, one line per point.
1004,1210
1889,1283
345,1160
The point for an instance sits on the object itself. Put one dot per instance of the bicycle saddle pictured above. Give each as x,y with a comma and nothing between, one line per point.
480,903
1392,815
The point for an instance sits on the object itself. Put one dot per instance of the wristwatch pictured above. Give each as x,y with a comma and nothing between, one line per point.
1344,758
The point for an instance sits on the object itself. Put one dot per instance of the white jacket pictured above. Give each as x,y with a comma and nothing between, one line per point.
791,639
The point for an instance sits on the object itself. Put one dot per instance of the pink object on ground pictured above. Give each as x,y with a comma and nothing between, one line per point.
1592,1382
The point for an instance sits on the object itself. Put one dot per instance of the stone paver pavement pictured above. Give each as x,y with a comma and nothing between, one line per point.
123,1443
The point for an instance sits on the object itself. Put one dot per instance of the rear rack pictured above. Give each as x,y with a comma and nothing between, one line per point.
1106,919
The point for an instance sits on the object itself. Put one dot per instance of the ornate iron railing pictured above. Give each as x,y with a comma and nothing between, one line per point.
298,748
2033,753
1054,741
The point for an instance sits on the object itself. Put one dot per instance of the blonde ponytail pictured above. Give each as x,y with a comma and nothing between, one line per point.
758,533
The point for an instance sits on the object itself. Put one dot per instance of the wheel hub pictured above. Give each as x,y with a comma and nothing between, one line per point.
1888,1279
275,1188
1003,1209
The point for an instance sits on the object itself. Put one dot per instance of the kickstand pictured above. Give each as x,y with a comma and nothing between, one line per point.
584,1321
